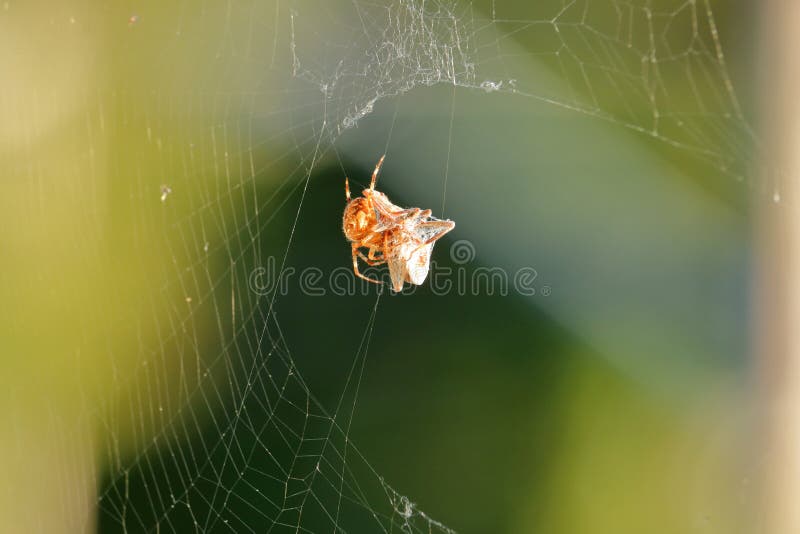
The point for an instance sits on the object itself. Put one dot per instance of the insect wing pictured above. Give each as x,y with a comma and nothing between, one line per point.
418,259
430,230
397,271
418,264
409,262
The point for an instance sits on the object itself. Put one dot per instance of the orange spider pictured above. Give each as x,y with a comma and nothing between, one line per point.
403,238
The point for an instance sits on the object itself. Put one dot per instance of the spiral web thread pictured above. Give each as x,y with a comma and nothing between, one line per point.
226,433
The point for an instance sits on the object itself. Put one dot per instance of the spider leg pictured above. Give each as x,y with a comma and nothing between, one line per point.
385,207
346,189
373,262
375,173
371,259
355,267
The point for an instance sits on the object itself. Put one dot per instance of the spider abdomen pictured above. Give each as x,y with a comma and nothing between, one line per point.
358,220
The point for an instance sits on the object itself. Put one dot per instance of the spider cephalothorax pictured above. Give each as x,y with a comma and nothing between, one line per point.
401,237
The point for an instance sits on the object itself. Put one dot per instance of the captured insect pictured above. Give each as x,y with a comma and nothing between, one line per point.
401,238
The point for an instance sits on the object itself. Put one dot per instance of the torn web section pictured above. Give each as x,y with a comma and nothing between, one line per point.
358,53
655,67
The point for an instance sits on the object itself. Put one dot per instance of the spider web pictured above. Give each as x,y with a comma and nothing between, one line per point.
655,67
209,423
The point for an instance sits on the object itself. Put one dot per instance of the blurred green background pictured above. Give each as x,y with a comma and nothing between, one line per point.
156,155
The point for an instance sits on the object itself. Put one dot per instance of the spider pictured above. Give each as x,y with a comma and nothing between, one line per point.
401,238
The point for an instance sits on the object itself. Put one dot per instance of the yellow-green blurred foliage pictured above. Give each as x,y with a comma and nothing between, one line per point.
138,143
